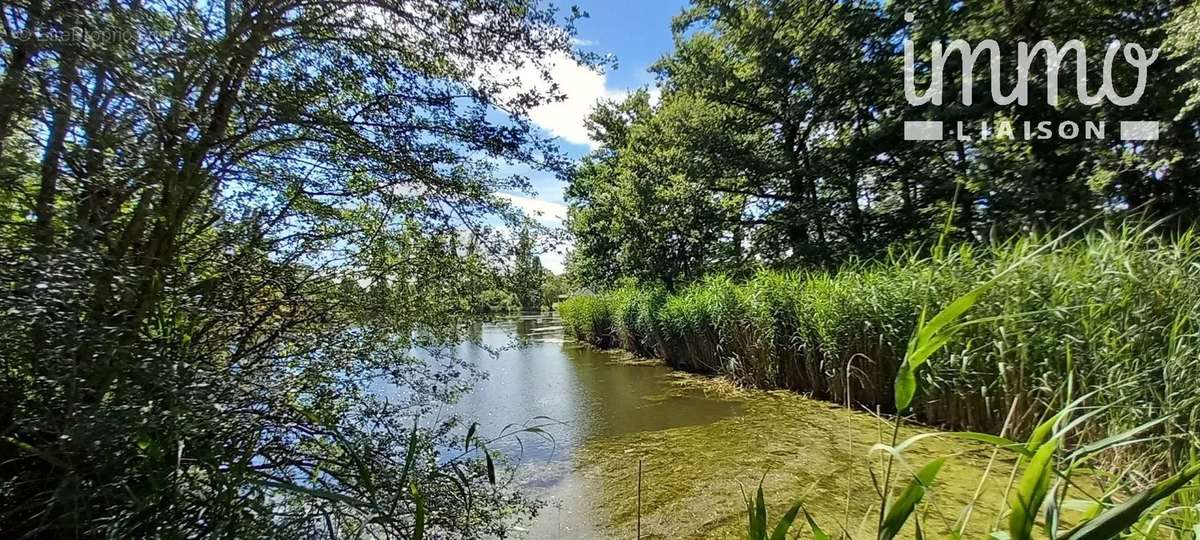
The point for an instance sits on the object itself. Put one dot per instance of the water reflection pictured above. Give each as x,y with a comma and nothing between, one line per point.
591,393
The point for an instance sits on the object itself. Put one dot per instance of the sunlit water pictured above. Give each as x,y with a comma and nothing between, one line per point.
579,394
700,450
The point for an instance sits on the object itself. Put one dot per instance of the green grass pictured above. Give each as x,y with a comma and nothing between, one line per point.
1113,312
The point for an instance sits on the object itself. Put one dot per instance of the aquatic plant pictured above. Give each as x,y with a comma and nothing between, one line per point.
1048,477
588,318
1051,483
1114,311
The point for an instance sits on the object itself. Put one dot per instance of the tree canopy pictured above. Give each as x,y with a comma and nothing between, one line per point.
779,136
224,227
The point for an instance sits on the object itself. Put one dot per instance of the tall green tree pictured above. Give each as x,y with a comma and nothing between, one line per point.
555,288
797,78
639,208
798,110
527,276
225,224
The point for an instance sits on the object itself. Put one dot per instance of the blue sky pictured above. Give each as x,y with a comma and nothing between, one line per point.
637,33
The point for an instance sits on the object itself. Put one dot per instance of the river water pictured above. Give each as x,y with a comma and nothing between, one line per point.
699,444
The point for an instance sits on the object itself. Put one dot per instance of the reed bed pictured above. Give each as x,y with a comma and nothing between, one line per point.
1114,312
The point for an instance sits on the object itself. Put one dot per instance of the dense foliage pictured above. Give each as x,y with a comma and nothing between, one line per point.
1115,313
778,138
527,276
223,227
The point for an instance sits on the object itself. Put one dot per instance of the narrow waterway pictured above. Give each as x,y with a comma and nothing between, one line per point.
699,443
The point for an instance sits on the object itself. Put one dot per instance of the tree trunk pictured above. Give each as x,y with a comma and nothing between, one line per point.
55,143
10,88
14,74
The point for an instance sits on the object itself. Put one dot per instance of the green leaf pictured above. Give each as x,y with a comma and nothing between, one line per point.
470,435
818,534
419,513
752,531
951,313
760,514
899,511
994,440
785,523
1115,521
928,339
906,380
906,387
410,457
1113,440
1052,517
491,467
1042,433
1087,508
927,349
1031,491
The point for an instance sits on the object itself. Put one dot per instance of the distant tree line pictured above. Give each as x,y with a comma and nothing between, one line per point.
778,139
519,281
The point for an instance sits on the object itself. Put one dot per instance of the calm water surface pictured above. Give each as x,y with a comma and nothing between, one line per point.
700,451
589,394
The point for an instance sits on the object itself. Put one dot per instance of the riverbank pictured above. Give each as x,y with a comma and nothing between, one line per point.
1113,312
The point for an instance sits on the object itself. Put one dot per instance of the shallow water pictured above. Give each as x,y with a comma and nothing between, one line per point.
699,443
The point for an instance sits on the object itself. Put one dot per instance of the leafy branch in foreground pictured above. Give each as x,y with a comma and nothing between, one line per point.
221,237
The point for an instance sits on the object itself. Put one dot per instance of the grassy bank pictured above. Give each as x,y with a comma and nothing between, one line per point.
1113,312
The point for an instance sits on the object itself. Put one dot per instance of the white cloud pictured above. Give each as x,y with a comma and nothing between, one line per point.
553,261
541,210
582,88
550,214
655,95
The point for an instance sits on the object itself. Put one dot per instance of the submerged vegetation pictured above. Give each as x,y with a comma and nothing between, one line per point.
796,447
1113,313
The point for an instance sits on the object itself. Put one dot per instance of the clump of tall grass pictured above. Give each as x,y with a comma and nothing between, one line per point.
1051,459
634,311
589,318
1046,500
1116,311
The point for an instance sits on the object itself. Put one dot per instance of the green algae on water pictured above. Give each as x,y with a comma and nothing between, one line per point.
694,477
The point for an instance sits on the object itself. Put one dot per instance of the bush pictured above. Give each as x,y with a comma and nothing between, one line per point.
497,302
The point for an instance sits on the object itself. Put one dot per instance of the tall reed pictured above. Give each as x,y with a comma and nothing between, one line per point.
1116,311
